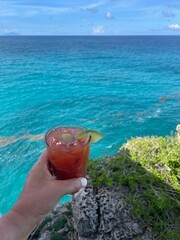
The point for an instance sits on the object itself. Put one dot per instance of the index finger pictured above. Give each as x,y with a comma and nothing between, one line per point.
42,162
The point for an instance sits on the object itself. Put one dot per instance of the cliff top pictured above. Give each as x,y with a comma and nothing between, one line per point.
132,195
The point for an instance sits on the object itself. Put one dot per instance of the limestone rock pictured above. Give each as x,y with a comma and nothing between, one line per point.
104,214
45,236
97,213
85,213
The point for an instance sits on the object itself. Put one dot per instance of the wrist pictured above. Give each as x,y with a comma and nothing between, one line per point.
21,221
25,213
13,226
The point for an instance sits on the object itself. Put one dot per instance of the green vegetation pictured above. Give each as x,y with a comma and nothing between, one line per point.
58,225
44,223
58,236
150,168
68,213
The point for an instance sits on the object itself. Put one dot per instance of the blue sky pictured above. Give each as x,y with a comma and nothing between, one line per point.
85,17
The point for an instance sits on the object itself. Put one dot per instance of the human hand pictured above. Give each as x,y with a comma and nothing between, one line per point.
40,195
42,191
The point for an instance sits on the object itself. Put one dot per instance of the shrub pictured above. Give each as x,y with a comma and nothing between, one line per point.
150,168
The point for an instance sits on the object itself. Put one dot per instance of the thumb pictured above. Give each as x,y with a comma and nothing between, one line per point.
71,186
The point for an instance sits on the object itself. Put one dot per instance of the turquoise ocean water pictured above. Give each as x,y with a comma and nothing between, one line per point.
121,86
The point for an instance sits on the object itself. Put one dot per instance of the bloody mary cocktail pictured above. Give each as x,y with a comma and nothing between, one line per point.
67,154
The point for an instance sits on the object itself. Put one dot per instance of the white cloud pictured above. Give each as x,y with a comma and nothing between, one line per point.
55,10
11,32
109,15
32,10
174,26
98,30
93,5
27,10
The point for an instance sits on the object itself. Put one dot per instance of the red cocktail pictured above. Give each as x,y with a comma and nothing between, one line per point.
67,154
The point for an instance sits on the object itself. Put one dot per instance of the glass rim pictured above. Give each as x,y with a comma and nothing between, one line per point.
66,126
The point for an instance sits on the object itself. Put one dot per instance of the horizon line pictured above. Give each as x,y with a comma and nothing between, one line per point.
68,35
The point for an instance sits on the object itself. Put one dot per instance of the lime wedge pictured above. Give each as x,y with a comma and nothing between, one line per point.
66,137
95,135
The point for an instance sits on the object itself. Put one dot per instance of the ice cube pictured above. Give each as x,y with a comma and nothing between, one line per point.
71,145
51,141
59,143
64,130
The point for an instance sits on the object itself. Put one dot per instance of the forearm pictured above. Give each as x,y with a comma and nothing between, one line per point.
40,195
17,224
10,227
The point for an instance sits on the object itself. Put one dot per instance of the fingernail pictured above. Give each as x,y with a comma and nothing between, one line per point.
84,182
